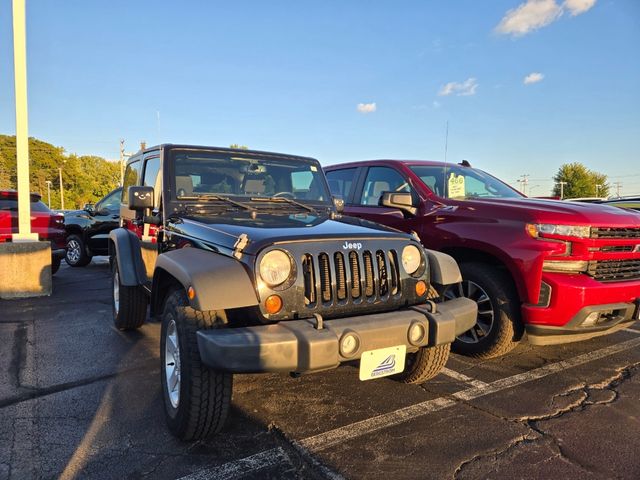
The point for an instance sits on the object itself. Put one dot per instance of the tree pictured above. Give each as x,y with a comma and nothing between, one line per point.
86,179
238,147
580,182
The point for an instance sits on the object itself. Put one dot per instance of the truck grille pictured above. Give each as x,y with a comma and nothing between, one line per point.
614,270
341,278
615,232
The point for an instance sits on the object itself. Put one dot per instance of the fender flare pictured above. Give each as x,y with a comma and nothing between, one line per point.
219,282
127,254
443,268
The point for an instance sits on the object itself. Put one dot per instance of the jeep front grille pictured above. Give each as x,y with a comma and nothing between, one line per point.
614,270
332,278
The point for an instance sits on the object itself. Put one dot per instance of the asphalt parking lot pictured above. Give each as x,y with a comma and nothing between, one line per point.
79,399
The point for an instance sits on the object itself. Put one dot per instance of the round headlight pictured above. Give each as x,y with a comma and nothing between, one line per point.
275,268
411,259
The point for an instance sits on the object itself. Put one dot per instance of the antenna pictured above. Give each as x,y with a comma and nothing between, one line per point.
446,145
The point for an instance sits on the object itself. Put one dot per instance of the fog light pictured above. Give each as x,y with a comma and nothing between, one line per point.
591,319
417,333
273,304
349,345
421,288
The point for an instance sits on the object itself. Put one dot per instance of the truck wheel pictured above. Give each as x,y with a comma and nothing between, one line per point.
76,255
129,304
499,328
55,265
196,398
424,364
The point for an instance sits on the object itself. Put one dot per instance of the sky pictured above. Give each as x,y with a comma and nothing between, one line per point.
523,85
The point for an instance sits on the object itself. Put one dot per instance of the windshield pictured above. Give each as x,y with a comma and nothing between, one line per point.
206,174
462,182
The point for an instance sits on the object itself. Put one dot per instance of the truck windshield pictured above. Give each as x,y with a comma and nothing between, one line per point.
202,174
455,181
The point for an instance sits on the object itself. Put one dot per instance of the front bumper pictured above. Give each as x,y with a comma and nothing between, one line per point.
609,318
297,346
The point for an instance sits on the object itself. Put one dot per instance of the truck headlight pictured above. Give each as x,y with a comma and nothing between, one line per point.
275,267
411,259
578,231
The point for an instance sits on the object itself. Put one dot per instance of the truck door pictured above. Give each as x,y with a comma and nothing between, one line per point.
366,198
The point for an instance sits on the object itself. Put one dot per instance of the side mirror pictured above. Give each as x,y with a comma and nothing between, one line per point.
140,198
89,208
400,200
338,202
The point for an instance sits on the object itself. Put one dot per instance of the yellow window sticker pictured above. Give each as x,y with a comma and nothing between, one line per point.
456,186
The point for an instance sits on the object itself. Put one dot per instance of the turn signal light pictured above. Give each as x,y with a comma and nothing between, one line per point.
191,293
421,288
273,304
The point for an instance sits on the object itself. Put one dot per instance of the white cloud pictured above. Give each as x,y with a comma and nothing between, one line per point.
533,77
535,14
366,107
529,16
576,7
466,88
436,104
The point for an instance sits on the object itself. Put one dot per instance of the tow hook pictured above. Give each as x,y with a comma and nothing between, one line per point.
319,322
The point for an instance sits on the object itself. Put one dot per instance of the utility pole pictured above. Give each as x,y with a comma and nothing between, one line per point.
618,187
524,182
597,188
48,182
121,161
61,189
562,184
22,123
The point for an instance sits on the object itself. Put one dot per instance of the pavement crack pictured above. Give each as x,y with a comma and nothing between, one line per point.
30,393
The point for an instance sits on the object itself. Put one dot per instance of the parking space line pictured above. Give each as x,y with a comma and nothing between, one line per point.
242,467
462,377
631,330
323,441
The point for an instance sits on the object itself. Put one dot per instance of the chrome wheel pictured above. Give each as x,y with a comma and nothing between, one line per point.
486,312
172,363
116,292
74,251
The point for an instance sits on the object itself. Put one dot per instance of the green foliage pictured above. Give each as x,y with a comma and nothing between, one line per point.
238,146
581,182
86,179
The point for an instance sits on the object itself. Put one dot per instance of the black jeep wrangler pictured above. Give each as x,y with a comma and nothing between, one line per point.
247,261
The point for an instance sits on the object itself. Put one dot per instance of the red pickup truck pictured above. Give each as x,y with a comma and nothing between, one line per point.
559,271
47,224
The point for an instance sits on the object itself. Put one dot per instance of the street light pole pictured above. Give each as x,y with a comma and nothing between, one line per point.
562,184
61,189
48,182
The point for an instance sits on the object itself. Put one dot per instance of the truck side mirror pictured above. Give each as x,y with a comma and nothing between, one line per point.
400,200
140,198
89,208
338,202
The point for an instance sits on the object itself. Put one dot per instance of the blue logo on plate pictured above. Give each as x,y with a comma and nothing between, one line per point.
387,365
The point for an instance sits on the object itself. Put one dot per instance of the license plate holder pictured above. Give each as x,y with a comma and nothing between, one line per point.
382,362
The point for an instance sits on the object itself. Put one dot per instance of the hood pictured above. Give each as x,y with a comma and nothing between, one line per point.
552,211
267,229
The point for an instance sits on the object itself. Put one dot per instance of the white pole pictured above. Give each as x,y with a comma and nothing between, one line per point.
22,123
48,182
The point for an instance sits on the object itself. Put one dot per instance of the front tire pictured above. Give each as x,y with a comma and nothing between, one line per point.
76,255
129,304
499,327
424,364
196,398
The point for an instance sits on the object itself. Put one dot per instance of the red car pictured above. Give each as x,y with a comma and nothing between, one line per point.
561,271
47,224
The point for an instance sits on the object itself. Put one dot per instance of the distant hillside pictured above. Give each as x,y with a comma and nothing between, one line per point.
86,179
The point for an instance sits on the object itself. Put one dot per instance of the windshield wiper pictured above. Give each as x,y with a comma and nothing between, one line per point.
222,199
286,200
